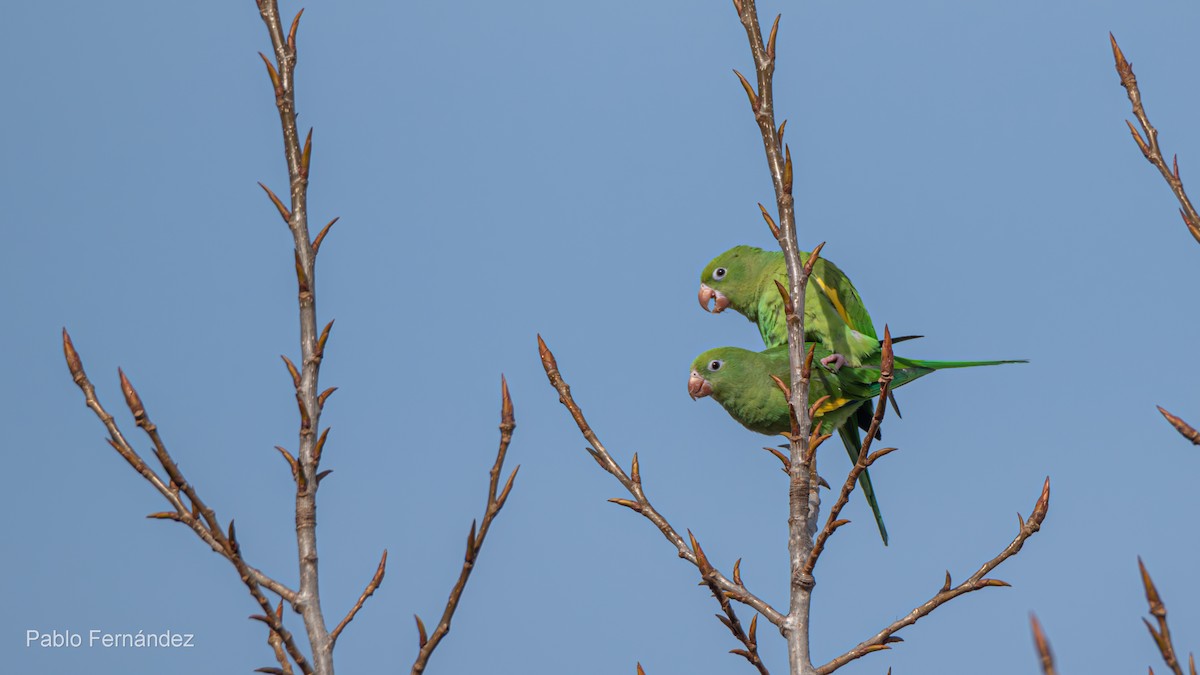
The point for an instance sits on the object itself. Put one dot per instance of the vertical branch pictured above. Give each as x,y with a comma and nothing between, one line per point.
281,71
803,499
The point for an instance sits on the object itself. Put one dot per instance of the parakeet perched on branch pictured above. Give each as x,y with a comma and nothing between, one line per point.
743,279
740,380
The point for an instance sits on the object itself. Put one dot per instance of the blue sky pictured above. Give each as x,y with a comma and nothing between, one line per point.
504,169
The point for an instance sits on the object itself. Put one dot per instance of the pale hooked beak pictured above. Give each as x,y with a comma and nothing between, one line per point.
698,387
720,302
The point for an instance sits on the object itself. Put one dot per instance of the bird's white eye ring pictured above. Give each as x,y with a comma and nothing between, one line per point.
715,365
719,273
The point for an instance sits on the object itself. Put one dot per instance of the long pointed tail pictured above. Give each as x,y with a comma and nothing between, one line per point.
902,362
851,439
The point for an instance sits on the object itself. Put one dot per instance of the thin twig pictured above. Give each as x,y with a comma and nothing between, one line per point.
633,484
276,641
749,639
201,519
372,586
495,502
804,499
1153,154
1161,635
975,582
1043,646
1149,144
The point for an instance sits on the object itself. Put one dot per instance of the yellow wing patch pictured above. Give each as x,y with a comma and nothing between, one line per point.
831,404
833,298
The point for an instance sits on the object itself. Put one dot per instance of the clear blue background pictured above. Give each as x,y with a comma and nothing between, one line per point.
508,168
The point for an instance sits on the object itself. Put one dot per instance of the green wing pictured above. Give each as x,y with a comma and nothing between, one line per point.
742,384
834,314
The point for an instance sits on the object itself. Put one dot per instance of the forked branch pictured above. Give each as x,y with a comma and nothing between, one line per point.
187,507
749,639
975,582
1147,141
496,497
1161,634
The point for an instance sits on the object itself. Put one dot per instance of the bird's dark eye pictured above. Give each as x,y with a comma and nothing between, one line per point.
715,364
719,273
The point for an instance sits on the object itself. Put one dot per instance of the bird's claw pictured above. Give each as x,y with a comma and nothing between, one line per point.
834,362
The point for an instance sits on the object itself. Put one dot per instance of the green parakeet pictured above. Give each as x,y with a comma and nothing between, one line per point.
740,380
743,278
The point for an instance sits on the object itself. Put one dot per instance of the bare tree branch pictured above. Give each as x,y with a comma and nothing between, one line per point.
1149,144
495,502
641,504
803,496
947,593
305,379
372,586
193,513
730,620
1162,634
1153,154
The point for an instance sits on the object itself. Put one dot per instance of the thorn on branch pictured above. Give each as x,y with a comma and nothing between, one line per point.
291,38
767,217
422,636
1182,427
471,550
627,503
320,446
165,515
771,40
787,299
316,245
780,456
274,75
292,371
283,210
325,396
749,90
292,463
812,259
306,154
320,353
301,276
232,539
787,170
1137,138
